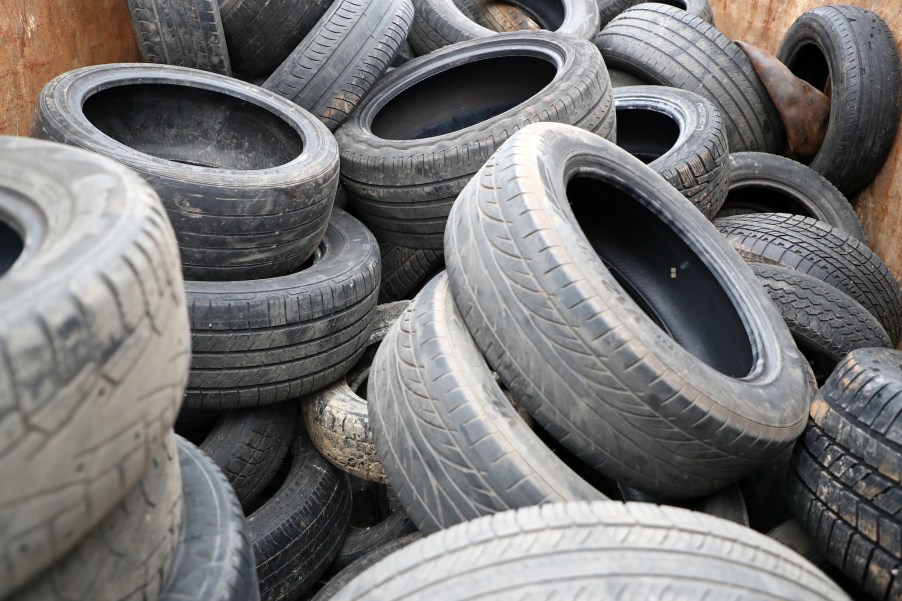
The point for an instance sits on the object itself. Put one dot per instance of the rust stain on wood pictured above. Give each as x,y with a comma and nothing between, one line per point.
40,39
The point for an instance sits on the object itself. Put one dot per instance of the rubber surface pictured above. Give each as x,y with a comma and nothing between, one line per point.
406,270
608,9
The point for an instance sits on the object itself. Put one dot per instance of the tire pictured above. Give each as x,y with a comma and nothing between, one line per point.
129,554
299,530
262,33
179,32
451,443
253,204
338,62
767,183
288,336
629,550
608,9
727,504
404,165
406,270
363,540
846,488
440,23
824,252
790,534
214,560
336,417
502,16
826,324
856,51
681,136
579,343
669,47
622,79
340,580
93,330
249,445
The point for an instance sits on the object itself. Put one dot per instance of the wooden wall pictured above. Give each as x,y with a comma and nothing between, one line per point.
763,23
39,39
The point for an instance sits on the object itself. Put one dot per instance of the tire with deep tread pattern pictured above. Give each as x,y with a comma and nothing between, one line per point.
627,551
667,46
819,250
249,445
681,136
338,62
406,270
856,51
608,9
619,318
427,127
214,560
845,488
93,330
256,342
187,33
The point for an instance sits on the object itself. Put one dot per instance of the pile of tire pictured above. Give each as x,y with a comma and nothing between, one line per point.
383,299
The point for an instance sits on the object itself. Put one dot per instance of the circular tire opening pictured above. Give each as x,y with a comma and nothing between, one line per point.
745,200
675,3
547,14
646,134
11,246
462,96
663,275
810,64
193,126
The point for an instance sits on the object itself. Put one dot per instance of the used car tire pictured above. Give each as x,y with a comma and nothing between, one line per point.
392,524
608,9
628,328
93,330
341,580
406,270
247,177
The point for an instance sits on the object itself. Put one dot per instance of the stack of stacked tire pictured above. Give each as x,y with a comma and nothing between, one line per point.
103,500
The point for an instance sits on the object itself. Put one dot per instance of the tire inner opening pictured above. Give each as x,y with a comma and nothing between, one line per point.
547,14
462,96
521,18
810,64
11,246
646,134
744,200
663,275
193,126
369,505
677,3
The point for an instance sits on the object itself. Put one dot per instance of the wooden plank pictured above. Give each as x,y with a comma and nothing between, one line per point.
763,23
40,39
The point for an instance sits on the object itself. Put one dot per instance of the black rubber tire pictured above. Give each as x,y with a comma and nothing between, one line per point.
93,330
667,46
564,294
262,33
299,530
341,580
681,136
187,33
406,270
129,554
338,62
361,541
726,504
824,252
214,560
768,183
825,323
452,445
249,445
790,534
608,9
846,488
856,51
440,23
627,551
235,217
622,79
287,336
410,147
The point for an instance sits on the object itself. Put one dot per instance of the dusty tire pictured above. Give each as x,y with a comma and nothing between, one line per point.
681,136
608,9
361,540
129,554
726,504
338,62
824,252
845,488
667,46
441,23
290,335
406,270
247,178
214,560
631,551
676,415
405,159
92,331
179,32
853,52
341,580
767,183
